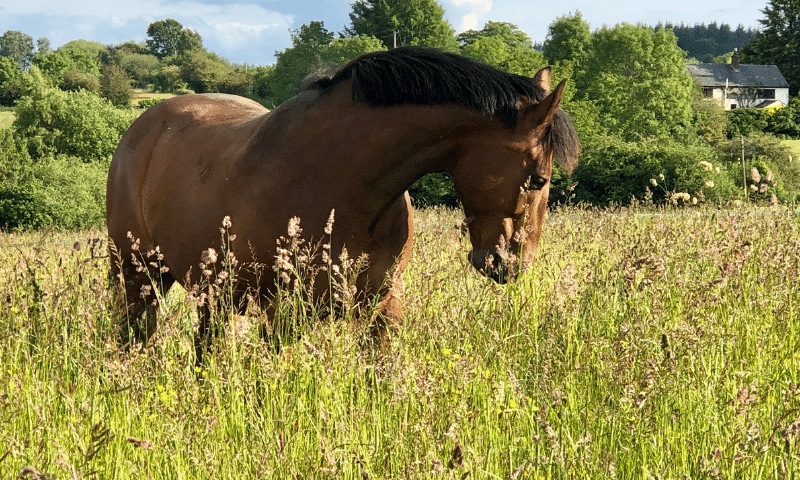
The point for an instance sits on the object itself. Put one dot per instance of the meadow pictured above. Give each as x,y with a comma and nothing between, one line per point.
642,345
6,117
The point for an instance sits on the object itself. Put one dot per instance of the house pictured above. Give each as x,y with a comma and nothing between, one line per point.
738,85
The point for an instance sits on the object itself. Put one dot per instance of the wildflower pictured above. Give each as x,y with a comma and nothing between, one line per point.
716,169
707,166
680,196
329,225
755,176
754,188
770,177
710,184
653,182
294,229
226,222
661,176
763,189
209,256
694,200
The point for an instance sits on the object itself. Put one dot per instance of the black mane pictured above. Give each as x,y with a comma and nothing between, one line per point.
422,76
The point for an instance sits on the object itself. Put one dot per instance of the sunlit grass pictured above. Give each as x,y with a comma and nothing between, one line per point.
640,346
6,118
139,95
794,146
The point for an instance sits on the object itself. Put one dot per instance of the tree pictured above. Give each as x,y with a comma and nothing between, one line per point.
638,80
312,46
504,46
115,86
141,68
18,46
778,43
402,22
57,63
204,71
169,38
9,81
42,46
189,41
568,39
79,124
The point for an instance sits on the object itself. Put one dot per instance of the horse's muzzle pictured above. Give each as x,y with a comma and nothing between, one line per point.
496,264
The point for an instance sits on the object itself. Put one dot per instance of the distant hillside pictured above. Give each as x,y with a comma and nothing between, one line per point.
704,42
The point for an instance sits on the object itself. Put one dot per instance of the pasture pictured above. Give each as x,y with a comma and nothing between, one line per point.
139,95
647,346
794,147
6,117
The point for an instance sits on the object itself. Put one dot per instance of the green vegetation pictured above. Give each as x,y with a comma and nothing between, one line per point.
640,346
6,118
638,113
793,146
776,43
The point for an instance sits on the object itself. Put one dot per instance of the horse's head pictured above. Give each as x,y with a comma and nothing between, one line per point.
503,181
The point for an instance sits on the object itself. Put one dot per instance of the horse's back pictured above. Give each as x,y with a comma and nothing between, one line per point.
160,144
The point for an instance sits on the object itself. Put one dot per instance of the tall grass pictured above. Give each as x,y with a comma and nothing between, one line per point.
640,346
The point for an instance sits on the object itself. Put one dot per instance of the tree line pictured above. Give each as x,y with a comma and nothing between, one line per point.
648,134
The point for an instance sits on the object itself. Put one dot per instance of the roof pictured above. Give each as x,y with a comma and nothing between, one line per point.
715,74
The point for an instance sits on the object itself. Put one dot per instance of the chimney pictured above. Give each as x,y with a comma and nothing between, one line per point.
735,58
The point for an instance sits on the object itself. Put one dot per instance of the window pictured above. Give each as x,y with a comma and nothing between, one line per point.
767,93
708,92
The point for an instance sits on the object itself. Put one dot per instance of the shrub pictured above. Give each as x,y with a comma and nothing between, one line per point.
747,122
75,80
612,171
115,86
766,153
434,189
79,124
22,207
62,191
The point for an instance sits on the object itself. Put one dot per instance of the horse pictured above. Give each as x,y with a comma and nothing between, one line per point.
350,143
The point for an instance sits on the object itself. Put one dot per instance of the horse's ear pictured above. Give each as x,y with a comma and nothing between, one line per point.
542,78
539,115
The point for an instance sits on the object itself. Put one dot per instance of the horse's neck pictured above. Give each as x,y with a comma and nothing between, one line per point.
371,153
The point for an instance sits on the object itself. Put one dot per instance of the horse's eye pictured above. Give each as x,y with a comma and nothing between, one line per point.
536,182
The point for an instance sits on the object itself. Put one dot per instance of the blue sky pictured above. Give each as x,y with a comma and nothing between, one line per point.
250,31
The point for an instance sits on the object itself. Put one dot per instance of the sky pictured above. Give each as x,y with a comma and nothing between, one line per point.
251,31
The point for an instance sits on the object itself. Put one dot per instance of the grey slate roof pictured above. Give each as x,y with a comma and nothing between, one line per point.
714,75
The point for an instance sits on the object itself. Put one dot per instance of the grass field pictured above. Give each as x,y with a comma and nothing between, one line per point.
640,347
142,95
794,146
6,118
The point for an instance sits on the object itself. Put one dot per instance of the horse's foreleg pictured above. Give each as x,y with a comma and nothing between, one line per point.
211,323
389,313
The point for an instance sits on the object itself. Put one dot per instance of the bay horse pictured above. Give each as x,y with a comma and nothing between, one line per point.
352,143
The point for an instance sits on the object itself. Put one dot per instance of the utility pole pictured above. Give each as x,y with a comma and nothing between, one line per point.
744,174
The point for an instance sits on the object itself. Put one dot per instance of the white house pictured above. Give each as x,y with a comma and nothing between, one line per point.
738,85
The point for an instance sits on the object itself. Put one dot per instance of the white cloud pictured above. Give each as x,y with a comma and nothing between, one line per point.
471,12
234,20
469,22
483,6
